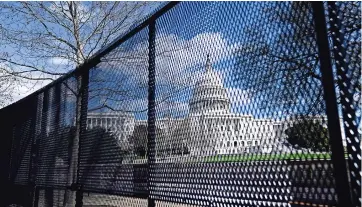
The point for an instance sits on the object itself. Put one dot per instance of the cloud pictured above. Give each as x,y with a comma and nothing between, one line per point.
180,62
25,88
21,88
62,9
58,61
13,88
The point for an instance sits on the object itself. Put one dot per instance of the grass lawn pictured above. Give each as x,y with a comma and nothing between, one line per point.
255,157
266,157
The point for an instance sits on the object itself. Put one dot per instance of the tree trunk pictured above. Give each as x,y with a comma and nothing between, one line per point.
69,196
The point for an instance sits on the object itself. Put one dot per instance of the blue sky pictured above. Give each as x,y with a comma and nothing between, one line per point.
184,36
15,21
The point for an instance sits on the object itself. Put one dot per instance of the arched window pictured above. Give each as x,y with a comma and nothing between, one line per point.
235,143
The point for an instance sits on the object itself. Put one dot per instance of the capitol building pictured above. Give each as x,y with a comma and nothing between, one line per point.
210,128
213,129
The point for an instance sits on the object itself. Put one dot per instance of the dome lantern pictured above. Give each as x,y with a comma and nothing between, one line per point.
208,63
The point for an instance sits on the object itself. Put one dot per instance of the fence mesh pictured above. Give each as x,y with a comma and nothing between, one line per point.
204,104
345,26
116,134
57,108
22,132
240,113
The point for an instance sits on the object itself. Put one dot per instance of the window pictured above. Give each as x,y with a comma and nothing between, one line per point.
235,143
228,143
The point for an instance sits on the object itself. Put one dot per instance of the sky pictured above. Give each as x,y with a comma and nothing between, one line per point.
181,52
184,37
56,64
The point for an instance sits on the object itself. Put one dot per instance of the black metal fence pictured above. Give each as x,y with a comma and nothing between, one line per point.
205,104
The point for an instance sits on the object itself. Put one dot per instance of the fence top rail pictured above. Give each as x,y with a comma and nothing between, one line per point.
96,58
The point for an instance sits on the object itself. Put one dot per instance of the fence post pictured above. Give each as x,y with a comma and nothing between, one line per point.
151,108
34,152
71,194
48,195
82,129
334,129
348,113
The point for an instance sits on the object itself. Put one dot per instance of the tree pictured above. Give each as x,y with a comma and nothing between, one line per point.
279,61
139,140
308,134
165,145
8,85
180,138
101,157
103,147
101,153
43,40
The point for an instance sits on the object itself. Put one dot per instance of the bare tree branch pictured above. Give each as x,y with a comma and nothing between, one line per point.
37,36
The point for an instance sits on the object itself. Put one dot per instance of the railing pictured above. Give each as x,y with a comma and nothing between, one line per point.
204,103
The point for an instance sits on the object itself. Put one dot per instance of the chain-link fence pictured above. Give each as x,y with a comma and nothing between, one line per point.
202,104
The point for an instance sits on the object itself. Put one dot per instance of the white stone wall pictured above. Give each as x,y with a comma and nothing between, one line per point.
121,124
229,134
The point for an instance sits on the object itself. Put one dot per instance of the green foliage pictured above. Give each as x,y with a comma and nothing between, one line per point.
308,134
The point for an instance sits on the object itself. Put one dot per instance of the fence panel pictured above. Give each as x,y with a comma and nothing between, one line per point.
22,127
116,132
203,104
240,115
54,137
345,28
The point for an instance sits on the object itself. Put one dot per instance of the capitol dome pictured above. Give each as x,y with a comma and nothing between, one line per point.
209,95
